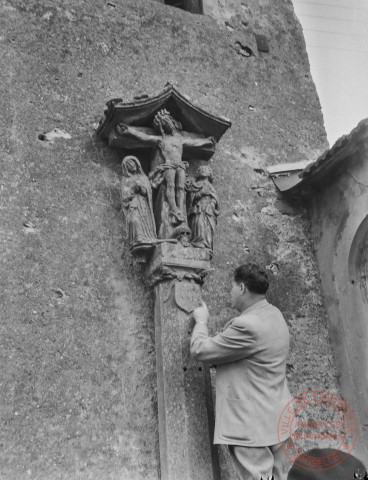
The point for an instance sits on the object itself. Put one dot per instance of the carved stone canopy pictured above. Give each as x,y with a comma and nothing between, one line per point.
193,120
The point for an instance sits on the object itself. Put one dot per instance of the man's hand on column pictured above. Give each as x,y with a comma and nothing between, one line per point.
201,314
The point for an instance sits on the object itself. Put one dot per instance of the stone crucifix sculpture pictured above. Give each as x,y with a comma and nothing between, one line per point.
171,214
156,192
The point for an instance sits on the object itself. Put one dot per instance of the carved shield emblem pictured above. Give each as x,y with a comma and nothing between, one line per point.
187,295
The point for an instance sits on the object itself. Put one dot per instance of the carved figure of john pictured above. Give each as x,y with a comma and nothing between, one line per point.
250,355
203,208
171,143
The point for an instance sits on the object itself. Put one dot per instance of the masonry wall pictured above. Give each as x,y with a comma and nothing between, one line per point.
78,396
340,225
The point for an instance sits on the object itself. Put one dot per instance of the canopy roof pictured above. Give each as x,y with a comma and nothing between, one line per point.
142,111
333,162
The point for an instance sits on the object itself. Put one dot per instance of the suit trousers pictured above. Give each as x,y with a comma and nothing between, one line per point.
254,463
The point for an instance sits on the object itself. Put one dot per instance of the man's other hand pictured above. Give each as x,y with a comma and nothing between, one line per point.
201,314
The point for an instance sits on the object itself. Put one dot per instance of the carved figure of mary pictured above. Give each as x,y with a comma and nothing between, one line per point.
136,198
203,209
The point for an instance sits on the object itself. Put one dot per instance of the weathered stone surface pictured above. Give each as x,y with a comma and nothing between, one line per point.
78,361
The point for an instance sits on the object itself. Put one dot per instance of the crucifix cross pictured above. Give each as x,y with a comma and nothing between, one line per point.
168,168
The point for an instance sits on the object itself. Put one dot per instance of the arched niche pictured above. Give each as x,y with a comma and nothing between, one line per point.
358,261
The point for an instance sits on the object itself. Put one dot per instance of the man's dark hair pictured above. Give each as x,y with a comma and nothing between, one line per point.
253,276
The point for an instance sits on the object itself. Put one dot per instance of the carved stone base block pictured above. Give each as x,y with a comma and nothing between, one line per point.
184,395
183,262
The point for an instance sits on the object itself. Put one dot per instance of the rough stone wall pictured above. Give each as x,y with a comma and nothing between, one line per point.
78,379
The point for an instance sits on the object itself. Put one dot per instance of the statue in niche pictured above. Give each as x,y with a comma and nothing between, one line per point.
136,197
171,209
203,209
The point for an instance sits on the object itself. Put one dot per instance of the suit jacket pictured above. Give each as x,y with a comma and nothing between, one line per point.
251,389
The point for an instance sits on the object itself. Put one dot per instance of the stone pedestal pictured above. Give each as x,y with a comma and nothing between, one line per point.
184,395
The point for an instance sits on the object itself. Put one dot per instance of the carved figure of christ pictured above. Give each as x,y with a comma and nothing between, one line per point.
171,144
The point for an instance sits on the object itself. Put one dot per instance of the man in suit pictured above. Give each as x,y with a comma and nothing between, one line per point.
251,390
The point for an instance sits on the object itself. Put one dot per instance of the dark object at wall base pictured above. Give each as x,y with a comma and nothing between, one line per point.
347,469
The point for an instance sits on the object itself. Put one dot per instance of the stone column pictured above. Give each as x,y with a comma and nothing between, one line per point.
184,393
